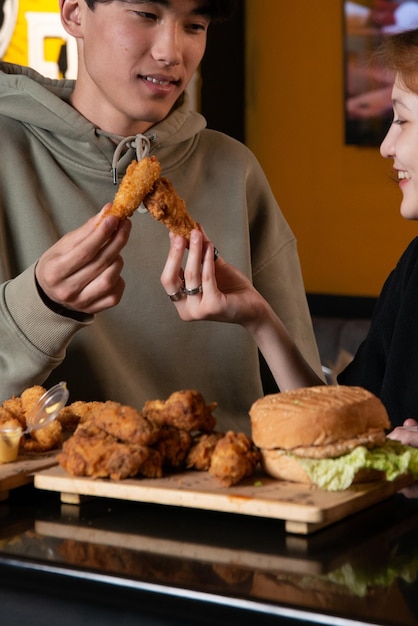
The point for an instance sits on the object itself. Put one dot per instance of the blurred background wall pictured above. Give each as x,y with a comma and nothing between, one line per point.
340,200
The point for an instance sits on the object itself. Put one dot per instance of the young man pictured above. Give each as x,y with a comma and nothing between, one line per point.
65,307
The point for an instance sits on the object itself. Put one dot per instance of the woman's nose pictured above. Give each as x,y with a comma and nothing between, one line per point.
387,147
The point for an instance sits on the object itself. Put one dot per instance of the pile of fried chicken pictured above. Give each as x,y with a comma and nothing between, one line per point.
118,441
108,439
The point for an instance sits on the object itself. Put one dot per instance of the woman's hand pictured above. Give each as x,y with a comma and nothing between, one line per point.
210,289
82,271
223,293
407,433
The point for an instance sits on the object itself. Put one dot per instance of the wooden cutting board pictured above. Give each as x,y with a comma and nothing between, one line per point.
304,509
20,472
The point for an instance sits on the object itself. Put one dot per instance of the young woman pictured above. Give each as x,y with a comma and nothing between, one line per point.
387,361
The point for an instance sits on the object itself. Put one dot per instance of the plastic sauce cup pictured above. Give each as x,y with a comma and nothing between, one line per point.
9,444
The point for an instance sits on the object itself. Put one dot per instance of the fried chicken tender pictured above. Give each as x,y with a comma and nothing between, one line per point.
186,410
126,424
46,438
234,458
200,454
166,206
29,397
138,181
101,456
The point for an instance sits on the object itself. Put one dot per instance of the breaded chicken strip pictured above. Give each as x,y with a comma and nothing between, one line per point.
138,181
166,206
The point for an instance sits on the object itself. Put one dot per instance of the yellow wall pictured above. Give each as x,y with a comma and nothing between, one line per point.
339,200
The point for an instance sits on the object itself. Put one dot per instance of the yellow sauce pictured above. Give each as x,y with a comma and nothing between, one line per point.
9,444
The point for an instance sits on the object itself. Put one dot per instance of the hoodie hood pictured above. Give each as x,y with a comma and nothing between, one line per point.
43,106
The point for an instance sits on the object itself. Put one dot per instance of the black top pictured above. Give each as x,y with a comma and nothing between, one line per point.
386,363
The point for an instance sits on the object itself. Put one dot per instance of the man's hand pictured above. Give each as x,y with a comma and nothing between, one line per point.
82,271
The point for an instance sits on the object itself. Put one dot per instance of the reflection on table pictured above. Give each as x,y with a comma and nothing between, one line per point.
363,569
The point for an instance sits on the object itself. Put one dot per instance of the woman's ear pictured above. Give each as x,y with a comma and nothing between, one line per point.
70,11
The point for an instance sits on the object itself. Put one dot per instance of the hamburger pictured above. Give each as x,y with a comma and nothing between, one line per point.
330,436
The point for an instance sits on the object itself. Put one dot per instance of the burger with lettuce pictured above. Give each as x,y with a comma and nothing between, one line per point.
330,436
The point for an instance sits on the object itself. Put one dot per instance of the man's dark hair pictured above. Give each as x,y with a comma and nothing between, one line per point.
217,10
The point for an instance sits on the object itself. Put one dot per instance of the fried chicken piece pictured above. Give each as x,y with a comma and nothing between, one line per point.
234,458
29,397
90,429
166,206
7,420
138,181
185,410
77,413
46,438
153,465
173,444
101,456
200,454
13,408
126,424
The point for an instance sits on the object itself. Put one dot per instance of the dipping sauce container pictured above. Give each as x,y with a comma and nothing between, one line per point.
9,443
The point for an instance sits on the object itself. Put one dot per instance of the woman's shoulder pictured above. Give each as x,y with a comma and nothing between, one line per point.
409,257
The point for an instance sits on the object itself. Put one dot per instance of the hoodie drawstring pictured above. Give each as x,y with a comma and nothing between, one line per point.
140,143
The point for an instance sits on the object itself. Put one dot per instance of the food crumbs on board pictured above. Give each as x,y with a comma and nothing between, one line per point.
258,483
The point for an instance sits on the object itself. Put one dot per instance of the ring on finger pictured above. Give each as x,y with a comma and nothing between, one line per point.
177,296
193,292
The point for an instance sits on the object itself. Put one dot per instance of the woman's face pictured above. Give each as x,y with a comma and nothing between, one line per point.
401,145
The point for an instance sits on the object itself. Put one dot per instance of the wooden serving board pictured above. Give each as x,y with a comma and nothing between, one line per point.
20,472
304,509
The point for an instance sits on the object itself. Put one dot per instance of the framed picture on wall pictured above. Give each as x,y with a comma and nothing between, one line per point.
367,97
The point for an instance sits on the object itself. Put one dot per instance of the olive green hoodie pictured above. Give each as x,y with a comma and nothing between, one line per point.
56,172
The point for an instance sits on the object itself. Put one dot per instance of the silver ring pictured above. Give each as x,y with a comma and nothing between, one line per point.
175,297
193,292
215,253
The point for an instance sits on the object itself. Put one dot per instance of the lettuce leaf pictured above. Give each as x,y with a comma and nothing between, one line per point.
393,458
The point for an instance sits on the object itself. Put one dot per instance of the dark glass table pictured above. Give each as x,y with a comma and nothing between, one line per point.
121,563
